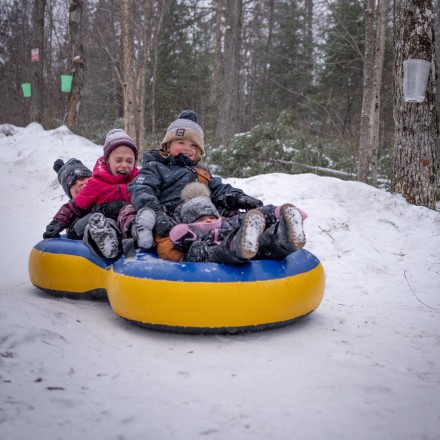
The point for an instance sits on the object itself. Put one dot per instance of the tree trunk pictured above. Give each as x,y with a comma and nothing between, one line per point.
379,58
216,68
416,124
163,13
146,37
37,103
228,118
77,63
128,68
367,90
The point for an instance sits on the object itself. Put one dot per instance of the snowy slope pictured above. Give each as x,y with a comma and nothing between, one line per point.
364,365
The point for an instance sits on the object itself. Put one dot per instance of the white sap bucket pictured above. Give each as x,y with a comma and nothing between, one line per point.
415,79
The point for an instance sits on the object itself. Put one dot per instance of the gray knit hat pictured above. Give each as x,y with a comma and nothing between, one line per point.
116,138
186,127
197,203
70,172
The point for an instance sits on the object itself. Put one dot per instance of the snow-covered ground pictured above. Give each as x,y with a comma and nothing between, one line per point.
365,365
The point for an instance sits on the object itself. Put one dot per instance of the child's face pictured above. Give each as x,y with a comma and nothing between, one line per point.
121,161
185,147
78,186
206,219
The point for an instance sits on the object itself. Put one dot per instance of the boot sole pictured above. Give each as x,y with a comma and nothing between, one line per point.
293,220
253,226
104,236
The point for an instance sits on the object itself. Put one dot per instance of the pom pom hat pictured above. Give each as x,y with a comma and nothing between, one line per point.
116,138
70,172
197,203
185,127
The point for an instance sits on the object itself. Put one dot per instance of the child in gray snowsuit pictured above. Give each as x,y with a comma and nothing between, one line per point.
268,232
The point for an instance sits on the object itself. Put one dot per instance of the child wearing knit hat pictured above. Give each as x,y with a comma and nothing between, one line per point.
164,173
268,232
102,198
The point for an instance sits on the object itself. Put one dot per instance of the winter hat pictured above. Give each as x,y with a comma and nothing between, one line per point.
197,203
70,172
185,127
116,138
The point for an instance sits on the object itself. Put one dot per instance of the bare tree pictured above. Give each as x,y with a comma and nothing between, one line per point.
143,68
128,68
367,98
228,118
416,133
216,69
37,105
77,63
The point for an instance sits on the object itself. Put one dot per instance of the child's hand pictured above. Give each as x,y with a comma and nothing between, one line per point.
53,230
163,224
242,201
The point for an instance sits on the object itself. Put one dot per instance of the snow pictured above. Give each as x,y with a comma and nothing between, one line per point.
364,365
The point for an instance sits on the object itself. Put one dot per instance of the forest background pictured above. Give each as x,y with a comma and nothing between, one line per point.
278,84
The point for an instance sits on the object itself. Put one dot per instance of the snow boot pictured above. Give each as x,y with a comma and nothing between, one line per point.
285,236
291,226
245,242
104,235
143,228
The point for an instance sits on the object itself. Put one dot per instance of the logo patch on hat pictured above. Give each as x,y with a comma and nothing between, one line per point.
180,132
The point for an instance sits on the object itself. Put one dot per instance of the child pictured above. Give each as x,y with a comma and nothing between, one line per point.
105,191
266,232
165,172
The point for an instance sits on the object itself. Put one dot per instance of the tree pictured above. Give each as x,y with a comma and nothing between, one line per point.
416,134
77,63
228,118
128,68
37,107
373,67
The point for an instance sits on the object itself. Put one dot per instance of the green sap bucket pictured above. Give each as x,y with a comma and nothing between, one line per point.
66,83
27,90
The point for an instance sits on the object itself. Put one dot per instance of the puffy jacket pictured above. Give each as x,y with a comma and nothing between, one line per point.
161,180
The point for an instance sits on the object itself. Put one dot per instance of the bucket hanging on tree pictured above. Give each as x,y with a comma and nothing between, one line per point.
66,83
27,90
415,79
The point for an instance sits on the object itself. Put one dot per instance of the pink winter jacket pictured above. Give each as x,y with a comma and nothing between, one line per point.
102,187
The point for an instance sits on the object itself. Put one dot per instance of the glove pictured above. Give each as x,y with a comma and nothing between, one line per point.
197,253
242,201
53,230
163,224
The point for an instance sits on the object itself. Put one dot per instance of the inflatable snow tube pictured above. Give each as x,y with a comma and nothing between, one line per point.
183,297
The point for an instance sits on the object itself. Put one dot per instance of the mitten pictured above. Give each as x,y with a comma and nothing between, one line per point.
53,230
163,224
242,201
197,253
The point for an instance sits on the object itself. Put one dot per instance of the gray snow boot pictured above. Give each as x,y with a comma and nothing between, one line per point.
104,235
143,228
245,242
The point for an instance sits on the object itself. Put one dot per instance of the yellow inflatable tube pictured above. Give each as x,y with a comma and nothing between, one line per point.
184,297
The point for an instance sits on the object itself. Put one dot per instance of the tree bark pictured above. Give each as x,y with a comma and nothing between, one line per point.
128,68
379,58
416,124
367,90
216,69
77,63
37,102
146,38
228,118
